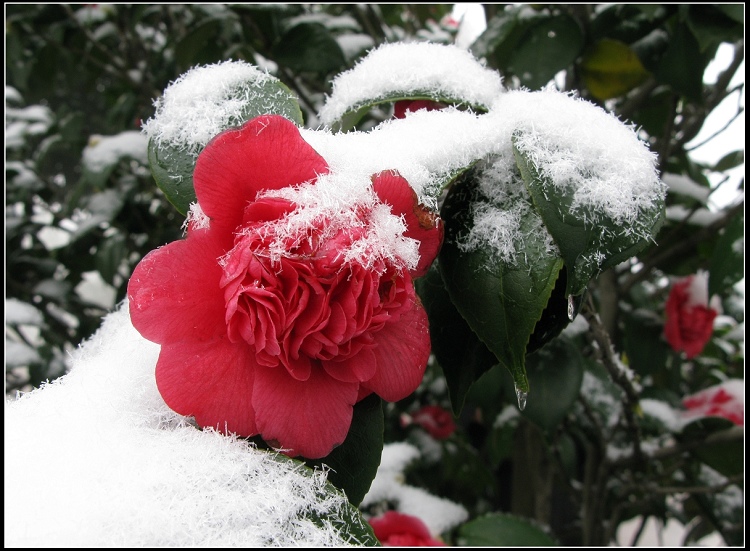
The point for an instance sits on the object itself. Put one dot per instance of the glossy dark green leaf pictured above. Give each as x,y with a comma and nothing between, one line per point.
461,355
728,259
354,463
503,32
502,530
172,169
724,455
309,47
547,48
555,374
501,302
580,242
610,69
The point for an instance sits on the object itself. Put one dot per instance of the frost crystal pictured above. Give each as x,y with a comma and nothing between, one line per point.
203,102
338,200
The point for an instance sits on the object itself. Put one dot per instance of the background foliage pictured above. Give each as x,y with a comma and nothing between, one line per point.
79,74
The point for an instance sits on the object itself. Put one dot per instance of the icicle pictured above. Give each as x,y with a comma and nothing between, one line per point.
572,307
521,395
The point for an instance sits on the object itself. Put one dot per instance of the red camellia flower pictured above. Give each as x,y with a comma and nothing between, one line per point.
723,400
401,108
278,333
690,317
396,529
436,421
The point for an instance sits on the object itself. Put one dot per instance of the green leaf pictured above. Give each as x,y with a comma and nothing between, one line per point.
728,259
190,47
547,48
723,455
461,355
502,530
730,160
172,169
109,256
582,243
502,34
610,69
355,462
501,302
355,113
309,47
555,373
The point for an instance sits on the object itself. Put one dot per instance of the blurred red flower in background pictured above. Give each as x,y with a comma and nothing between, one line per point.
437,421
395,529
690,317
723,400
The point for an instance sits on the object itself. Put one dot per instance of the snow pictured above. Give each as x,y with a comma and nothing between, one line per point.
129,472
18,312
439,514
437,70
104,151
699,217
683,185
19,354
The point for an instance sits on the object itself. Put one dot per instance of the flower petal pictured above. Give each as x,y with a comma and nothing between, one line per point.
423,225
174,291
266,153
307,418
401,353
212,381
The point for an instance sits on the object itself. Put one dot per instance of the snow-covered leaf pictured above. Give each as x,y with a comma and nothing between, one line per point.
589,238
399,71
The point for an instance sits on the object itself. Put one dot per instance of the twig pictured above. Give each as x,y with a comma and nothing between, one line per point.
610,362
729,435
